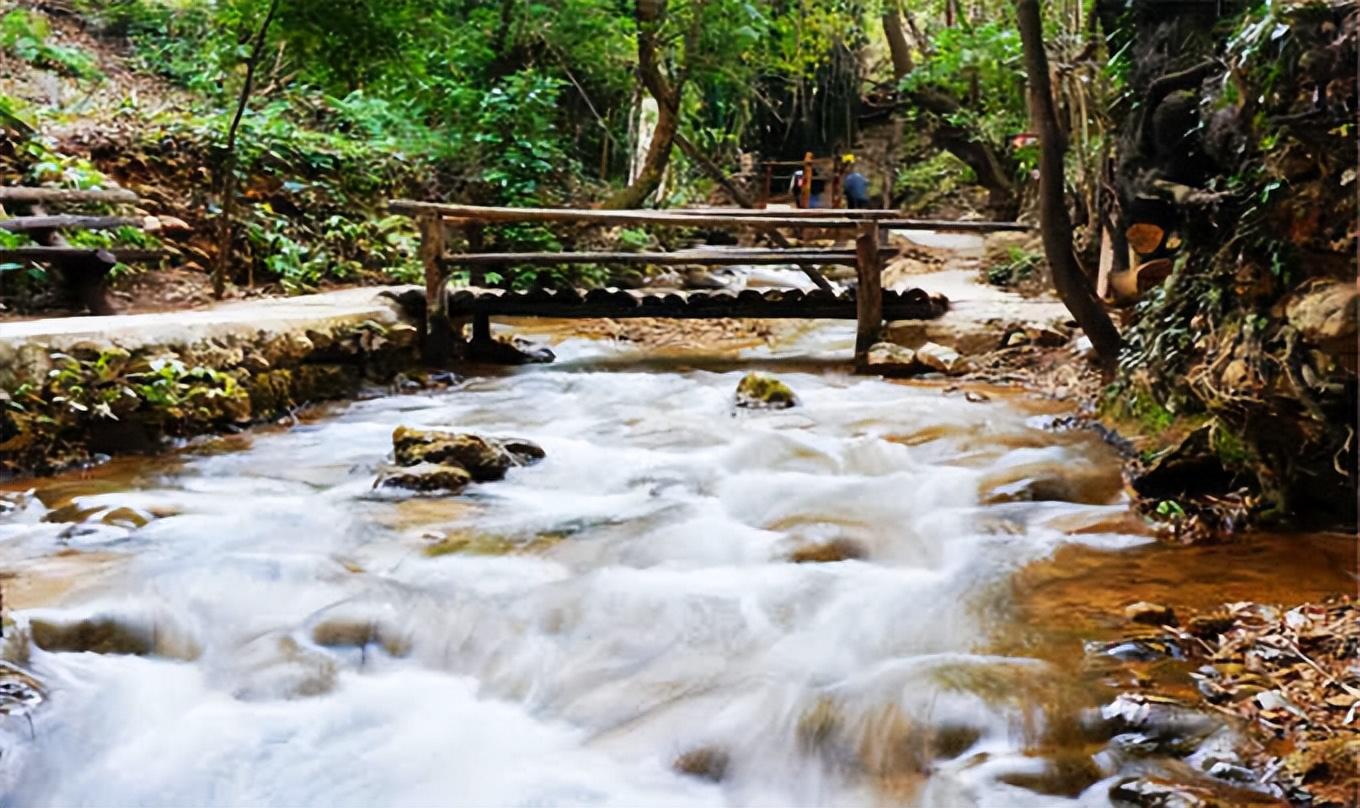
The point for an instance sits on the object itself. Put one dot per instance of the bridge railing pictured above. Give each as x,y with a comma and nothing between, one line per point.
868,227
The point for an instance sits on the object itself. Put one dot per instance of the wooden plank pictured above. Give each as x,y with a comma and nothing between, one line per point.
23,194
868,292
954,227
66,222
705,257
666,218
123,255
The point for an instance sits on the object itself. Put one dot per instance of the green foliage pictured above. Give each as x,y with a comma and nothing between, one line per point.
25,34
922,182
43,424
982,67
517,137
1019,266
16,117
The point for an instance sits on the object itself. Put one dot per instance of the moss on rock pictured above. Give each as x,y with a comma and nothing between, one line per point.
763,391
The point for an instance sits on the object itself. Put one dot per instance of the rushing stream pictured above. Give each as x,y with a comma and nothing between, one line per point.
622,613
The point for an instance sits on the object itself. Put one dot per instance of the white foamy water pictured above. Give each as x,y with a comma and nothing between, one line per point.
308,651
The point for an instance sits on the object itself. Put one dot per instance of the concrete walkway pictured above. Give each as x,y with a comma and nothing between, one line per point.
246,318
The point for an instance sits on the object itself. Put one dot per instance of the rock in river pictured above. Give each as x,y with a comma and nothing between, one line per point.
435,461
485,459
428,477
942,359
889,359
760,391
1153,614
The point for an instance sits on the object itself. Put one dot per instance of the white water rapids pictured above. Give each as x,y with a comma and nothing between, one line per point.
309,651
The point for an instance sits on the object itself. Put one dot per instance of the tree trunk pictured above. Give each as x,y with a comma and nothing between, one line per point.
228,182
1071,283
653,165
650,14
898,46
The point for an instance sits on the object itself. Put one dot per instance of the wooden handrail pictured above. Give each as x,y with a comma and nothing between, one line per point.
658,217
889,219
67,253
26,194
700,217
708,257
64,221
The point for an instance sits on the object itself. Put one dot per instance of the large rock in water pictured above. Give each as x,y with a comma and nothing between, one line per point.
480,458
483,458
761,391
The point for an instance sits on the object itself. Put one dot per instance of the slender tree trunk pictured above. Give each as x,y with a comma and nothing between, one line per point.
653,165
898,47
1071,283
650,14
228,179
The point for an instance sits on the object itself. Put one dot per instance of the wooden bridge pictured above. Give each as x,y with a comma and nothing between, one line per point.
867,303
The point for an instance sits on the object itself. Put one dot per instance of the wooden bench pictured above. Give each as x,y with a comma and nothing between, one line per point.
83,271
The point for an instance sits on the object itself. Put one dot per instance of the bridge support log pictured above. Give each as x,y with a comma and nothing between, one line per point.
476,241
868,292
438,344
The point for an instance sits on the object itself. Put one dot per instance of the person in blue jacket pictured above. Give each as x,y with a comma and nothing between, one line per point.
855,185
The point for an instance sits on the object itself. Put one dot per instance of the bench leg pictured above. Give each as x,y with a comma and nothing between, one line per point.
87,283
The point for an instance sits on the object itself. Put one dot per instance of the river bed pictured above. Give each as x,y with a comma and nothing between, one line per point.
621,624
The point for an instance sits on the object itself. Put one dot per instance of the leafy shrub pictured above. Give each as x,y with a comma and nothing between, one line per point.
1019,266
24,34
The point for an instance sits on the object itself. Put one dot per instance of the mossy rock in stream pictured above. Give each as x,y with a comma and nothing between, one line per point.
761,391
486,459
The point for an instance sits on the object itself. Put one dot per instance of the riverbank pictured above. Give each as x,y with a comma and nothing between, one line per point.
75,389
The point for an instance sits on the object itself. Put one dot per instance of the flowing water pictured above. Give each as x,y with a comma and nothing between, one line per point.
618,625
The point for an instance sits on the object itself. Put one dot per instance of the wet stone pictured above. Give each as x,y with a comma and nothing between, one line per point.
1209,625
761,391
426,477
20,693
706,762
484,459
341,632
99,635
1140,650
825,552
888,359
1152,614
1148,792
938,358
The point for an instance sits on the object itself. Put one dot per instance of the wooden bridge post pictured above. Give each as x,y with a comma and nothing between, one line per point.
868,292
438,328
476,239
805,189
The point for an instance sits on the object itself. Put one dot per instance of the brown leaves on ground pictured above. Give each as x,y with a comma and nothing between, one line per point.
1293,675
